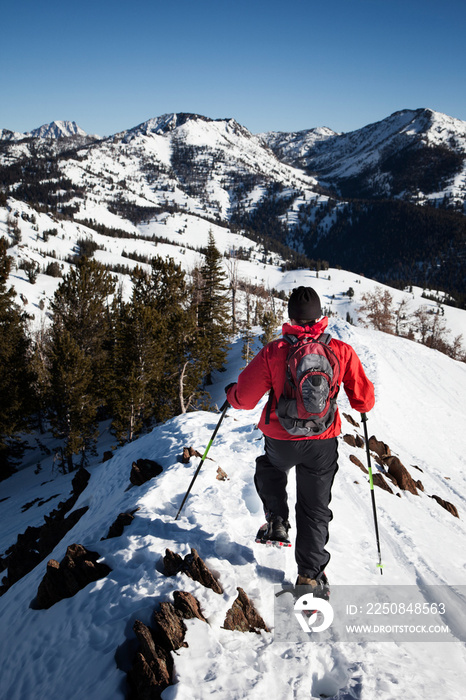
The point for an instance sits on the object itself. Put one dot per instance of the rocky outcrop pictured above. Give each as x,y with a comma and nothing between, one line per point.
77,569
189,452
353,440
36,543
143,470
221,475
351,420
152,669
401,475
188,606
448,506
380,448
359,464
379,480
117,527
193,566
243,616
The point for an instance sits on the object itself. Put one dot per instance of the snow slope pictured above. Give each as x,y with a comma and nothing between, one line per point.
82,646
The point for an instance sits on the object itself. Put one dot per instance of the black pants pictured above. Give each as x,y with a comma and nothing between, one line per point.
316,466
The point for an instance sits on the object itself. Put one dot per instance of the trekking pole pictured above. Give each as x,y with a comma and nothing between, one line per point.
223,410
371,481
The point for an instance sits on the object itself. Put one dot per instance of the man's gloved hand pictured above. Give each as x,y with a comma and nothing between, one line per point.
227,388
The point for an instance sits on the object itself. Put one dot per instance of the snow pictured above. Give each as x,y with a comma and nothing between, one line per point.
44,652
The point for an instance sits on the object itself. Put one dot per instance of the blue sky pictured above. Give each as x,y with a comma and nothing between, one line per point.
273,66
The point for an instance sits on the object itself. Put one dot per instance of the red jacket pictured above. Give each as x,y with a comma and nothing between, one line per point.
267,370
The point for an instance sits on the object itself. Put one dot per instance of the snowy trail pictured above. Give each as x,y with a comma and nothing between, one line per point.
422,544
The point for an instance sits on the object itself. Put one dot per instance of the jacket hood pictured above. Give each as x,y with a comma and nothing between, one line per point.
314,331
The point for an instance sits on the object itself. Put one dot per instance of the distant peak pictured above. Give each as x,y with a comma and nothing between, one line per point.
57,130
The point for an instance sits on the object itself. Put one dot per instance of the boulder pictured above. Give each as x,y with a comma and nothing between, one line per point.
243,616
399,472
80,481
187,605
117,527
169,628
350,440
221,475
77,569
351,420
359,464
143,470
152,670
189,452
380,481
193,566
448,506
379,447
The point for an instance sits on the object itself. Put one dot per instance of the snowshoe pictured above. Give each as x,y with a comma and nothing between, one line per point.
274,533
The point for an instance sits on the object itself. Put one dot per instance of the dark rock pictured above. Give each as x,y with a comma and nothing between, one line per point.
380,448
152,670
380,481
351,420
187,605
108,454
172,562
77,569
80,481
353,441
193,566
243,616
221,475
359,441
419,485
143,470
350,440
448,506
169,628
122,521
359,464
399,472
147,682
189,452
36,543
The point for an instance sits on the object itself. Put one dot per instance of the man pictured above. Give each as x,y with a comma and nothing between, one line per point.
314,455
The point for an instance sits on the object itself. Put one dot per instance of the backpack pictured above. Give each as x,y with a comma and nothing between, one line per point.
307,405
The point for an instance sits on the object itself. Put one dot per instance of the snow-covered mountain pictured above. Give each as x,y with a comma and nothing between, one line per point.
191,171
57,130
83,646
54,130
372,160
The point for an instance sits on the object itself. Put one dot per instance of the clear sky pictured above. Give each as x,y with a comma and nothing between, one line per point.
272,65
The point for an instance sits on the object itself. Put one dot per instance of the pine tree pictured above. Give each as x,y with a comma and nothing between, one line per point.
213,315
16,374
159,356
269,323
77,355
137,366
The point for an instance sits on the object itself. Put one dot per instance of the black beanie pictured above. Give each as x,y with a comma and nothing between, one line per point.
304,304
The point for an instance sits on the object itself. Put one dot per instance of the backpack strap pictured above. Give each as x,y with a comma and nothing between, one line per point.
324,338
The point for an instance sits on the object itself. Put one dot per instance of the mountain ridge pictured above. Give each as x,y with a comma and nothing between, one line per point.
295,190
